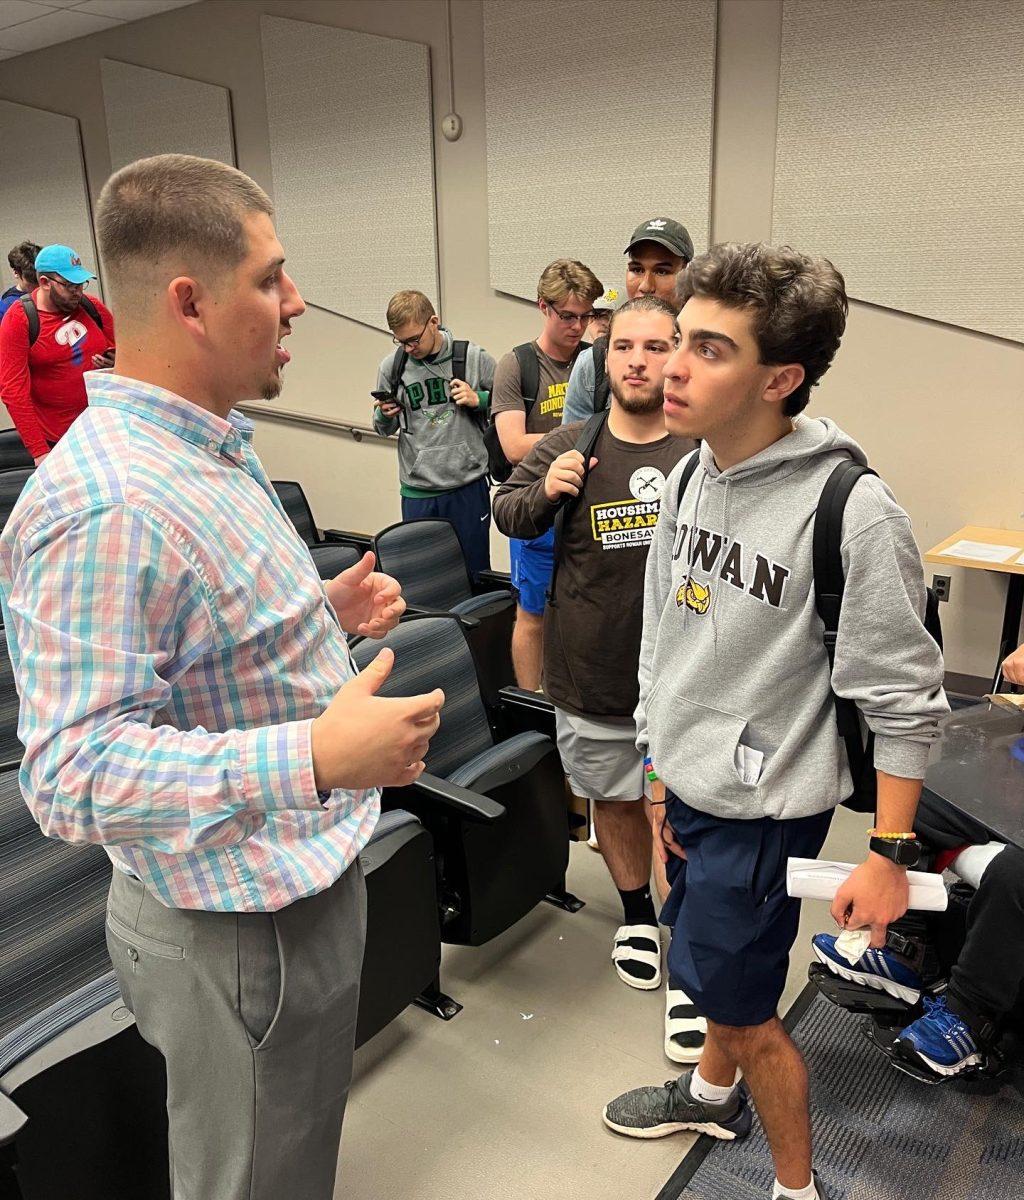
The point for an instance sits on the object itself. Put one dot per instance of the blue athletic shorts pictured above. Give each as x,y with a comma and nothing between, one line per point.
532,563
733,925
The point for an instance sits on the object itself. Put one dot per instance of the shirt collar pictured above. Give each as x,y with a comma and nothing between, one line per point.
170,411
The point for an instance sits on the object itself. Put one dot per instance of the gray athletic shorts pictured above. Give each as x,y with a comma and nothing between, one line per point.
600,757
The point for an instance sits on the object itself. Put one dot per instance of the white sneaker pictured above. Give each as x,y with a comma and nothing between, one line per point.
685,1028
638,944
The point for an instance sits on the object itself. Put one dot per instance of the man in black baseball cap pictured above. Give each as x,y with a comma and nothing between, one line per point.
658,250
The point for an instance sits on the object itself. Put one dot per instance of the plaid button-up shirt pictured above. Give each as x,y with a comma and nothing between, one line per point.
171,643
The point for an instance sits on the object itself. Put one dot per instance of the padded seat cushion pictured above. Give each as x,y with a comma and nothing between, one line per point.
331,559
466,608
512,752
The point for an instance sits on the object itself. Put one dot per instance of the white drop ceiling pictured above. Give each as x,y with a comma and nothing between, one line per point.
27,25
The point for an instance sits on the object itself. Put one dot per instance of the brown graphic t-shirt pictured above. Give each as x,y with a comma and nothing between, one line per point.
592,630
545,411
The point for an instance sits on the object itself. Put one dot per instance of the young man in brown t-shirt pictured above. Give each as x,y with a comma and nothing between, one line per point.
592,624
565,295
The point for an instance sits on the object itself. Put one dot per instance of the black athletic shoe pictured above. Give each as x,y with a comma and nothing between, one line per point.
654,1112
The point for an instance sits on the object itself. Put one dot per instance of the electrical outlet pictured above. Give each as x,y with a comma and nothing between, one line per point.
940,586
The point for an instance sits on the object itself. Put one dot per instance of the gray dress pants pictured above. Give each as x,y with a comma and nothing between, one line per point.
255,1015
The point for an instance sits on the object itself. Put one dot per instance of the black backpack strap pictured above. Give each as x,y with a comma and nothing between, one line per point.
585,444
398,369
529,372
828,592
31,315
460,352
691,465
93,312
602,387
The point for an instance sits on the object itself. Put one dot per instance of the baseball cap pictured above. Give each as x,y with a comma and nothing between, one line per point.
607,302
62,261
665,232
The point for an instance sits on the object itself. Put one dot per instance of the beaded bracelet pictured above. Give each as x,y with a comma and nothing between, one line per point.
651,773
905,837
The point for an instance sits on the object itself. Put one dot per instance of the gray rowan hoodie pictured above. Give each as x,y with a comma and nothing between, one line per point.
732,664
440,443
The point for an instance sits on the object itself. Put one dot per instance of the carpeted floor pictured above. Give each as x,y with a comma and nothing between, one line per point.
879,1135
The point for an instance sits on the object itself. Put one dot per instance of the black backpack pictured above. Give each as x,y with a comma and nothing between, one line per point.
32,315
585,444
602,386
829,582
498,466
460,352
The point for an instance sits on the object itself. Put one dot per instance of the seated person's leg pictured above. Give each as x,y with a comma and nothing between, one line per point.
987,979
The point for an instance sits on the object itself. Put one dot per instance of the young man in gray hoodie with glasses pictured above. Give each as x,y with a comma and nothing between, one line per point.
736,709
434,392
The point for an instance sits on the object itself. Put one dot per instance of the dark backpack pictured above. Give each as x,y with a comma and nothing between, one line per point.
829,582
585,444
460,352
498,466
602,386
32,315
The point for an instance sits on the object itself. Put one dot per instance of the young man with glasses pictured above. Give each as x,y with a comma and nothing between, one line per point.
565,296
434,391
658,250
48,339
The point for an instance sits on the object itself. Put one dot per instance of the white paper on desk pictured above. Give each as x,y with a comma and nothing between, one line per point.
820,879
982,550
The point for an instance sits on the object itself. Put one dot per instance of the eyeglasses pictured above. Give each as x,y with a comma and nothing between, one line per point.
413,342
64,283
568,318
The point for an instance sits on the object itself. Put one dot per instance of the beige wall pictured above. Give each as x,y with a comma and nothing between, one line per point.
940,411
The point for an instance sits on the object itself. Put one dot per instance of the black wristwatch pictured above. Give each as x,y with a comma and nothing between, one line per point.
904,852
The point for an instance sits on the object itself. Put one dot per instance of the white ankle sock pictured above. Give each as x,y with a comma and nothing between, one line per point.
700,1089
973,862
810,1192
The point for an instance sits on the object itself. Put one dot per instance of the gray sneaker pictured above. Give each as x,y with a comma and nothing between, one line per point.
653,1112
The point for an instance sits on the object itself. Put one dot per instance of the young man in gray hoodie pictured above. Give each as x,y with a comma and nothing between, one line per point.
439,417
736,711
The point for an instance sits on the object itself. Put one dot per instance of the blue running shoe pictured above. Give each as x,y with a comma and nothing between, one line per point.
878,969
940,1039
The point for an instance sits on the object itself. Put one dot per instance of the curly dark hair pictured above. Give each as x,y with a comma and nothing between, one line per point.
22,259
799,304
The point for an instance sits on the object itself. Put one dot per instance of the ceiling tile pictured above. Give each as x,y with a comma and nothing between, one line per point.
56,26
128,10
14,12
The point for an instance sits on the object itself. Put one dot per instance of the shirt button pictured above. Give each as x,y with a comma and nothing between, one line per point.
133,954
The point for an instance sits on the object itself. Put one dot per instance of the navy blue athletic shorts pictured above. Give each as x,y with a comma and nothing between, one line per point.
733,925
469,510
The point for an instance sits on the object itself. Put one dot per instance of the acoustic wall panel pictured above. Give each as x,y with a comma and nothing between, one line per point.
351,150
43,193
900,153
592,128
151,112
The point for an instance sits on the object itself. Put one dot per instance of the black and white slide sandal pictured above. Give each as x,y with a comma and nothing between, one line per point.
685,1028
639,946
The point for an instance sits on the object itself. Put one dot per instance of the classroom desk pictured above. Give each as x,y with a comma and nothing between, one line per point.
972,768
1013,569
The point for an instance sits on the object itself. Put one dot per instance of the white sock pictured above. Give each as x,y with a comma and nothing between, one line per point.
810,1192
700,1089
973,862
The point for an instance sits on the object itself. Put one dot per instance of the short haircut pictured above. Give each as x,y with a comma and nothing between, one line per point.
177,205
653,304
22,259
406,306
566,277
798,303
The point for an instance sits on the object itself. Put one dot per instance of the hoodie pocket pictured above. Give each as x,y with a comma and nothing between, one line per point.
695,748
445,466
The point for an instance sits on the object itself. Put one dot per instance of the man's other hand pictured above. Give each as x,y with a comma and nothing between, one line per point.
1013,666
365,740
565,475
463,394
874,895
366,601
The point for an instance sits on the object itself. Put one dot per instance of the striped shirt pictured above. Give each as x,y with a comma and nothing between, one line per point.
172,642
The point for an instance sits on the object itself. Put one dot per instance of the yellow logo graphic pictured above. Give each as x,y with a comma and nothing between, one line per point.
694,595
